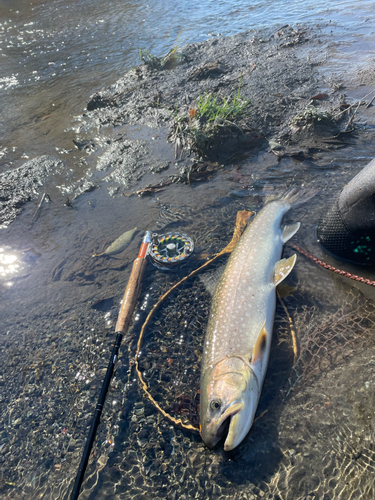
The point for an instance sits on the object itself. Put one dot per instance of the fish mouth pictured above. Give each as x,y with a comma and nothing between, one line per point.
218,428
231,440
225,422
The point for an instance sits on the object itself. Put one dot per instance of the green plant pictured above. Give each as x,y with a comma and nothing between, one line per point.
155,62
147,58
178,119
215,109
212,122
312,115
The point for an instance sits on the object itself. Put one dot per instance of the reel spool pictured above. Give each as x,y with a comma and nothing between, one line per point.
170,249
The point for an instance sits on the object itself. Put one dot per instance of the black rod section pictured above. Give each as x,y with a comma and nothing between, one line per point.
96,419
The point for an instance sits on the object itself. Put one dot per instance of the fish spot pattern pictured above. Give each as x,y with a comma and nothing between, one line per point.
240,304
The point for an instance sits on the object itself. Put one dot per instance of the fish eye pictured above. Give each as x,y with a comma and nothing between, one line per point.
215,404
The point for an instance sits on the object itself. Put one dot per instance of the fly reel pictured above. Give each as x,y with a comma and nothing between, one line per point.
170,249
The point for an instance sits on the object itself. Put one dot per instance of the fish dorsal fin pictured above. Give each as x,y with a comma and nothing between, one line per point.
260,345
211,279
289,231
282,268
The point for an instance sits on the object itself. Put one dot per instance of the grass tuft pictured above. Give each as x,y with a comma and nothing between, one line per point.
212,123
215,119
217,109
164,62
214,108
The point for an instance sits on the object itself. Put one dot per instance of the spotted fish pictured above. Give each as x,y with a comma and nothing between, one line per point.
238,338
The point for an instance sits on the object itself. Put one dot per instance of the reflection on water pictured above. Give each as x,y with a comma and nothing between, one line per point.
8,264
12,267
15,266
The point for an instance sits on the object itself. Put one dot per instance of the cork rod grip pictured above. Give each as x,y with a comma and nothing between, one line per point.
130,296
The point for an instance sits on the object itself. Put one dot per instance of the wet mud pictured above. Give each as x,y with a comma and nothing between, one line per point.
274,73
23,184
145,123
302,126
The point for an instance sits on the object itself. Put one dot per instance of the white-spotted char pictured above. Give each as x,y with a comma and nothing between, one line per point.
238,338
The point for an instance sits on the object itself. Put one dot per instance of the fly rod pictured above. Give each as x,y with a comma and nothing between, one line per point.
123,321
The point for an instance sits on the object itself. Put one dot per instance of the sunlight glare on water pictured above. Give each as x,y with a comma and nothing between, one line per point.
8,264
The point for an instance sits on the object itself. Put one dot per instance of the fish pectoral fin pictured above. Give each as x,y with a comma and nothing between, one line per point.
260,345
282,268
289,231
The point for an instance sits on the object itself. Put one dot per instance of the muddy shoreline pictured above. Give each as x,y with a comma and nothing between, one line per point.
142,125
300,125
274,73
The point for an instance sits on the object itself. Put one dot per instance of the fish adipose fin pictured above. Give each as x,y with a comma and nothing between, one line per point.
260,345
282,268
289,231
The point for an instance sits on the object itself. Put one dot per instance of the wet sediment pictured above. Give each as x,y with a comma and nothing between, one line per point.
287,108
20,185
148,122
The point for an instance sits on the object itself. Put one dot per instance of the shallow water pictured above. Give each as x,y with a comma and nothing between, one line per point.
59,305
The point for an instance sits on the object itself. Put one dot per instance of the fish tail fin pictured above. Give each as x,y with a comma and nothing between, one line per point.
297,196
293,197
